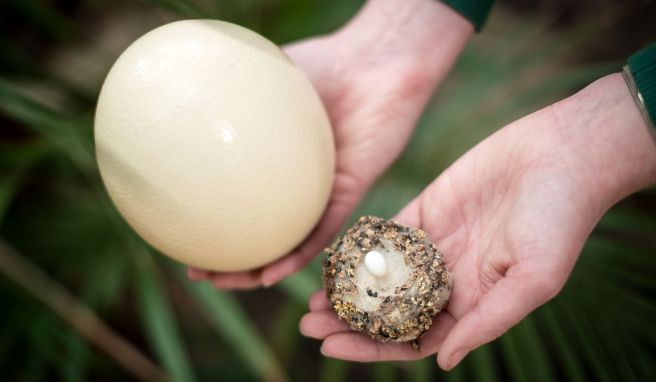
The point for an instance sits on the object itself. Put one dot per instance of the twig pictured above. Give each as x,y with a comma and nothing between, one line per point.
74,312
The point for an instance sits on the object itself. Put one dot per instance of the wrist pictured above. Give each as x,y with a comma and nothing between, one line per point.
421,35
602,128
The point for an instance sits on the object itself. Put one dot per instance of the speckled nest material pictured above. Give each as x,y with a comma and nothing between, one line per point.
399,307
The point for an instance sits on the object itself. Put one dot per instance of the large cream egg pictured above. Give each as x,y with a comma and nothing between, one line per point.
214,147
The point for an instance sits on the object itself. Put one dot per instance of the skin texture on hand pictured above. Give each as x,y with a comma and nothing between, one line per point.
511,217
375,76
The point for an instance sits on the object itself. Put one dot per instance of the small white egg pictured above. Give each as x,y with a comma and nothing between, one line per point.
375,263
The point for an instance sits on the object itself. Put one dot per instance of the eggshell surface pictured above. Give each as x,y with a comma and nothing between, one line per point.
214,147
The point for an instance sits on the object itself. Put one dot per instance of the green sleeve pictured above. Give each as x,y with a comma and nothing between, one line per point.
475,11
643,68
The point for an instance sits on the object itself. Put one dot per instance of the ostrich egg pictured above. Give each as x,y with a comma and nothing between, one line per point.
213,146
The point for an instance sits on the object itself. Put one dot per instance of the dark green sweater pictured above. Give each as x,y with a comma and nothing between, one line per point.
643,69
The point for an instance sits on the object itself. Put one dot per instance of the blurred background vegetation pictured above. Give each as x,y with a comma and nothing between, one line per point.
83,298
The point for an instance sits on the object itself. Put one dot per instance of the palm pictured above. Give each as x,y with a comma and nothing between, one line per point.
510,222
373,113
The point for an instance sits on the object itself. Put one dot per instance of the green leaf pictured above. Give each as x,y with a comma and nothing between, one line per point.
284,333
512,359
182,8
300,286
582,338
234,326
529,358
421,370
333,370
630,219
19,159
44,15
484,365
158,319
568,357
9,185
457,374
75,367
103,285
383,372
61,130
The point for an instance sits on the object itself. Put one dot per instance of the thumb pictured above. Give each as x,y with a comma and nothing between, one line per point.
410,214
505,304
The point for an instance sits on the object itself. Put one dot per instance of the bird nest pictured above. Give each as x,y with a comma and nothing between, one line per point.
401,304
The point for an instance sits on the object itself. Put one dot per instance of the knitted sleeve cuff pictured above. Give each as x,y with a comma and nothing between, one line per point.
475,11
643,68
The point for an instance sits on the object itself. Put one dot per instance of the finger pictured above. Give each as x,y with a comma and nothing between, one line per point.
237,280
410,214
322,324
431,342
329,225
196,274
318,301
357,347
509,300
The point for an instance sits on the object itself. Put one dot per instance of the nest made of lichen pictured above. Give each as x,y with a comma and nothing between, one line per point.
409,312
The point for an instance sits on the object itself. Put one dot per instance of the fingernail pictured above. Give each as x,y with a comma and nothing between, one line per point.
264,280
323,352
456,358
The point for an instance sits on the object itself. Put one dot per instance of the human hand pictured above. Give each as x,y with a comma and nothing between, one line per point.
511,217
374,77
